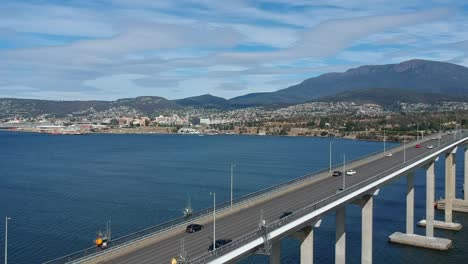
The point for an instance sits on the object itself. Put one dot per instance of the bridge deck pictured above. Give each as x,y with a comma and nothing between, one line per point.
246,220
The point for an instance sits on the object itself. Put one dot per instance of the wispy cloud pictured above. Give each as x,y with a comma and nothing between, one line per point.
122,48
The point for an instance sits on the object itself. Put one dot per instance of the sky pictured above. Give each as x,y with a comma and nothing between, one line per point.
111,49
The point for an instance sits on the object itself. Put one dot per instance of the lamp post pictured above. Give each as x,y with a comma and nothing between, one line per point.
214,220
6,239
384,140
404,149
232,180
344,172
330,159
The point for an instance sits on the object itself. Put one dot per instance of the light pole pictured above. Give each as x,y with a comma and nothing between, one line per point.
232,180
384,140
404,149
330,159
6,239
214,220
344,172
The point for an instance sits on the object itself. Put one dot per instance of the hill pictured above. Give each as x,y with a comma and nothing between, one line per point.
419,76
206,100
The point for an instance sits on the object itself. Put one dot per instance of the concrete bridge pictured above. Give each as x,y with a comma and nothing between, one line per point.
254,225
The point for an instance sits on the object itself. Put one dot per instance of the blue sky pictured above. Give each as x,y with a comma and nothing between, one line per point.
110,49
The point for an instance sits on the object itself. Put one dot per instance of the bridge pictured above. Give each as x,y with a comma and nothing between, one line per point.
254,225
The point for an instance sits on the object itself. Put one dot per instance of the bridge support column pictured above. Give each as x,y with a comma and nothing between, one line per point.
450,169
307,245
430,186
428,241
410,203
275,256
366,237
340,238
453,204
449,185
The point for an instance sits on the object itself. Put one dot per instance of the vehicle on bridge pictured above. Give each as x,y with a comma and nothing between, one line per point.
350,172
430,147
285,214
337,173
220,243
192,228
418,146
389,154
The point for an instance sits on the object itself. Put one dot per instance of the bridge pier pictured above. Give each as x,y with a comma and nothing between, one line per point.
459,205
340,237
306,237
275,256
450,171
367,204
410,204
428,241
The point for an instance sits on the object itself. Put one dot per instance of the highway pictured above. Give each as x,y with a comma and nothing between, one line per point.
246,220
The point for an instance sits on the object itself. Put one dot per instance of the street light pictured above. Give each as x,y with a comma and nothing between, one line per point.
6,238
404,149
344,172
214,219
232,179
330,165
384,140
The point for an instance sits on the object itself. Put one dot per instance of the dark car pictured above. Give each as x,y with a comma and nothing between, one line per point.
192,228
285,214
337,173
220,243
418,146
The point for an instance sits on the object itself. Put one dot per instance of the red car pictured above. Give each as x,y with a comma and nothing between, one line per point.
418,146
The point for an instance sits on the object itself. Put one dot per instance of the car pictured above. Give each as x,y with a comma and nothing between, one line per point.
339,190
285,214
337,173
389,154
430,147
418,146
192,228
220,243
350,172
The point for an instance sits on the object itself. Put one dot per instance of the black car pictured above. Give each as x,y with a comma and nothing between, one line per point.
220,243
337,173
192,228
285,214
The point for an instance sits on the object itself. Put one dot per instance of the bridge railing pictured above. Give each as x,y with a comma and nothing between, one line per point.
146,233
306,210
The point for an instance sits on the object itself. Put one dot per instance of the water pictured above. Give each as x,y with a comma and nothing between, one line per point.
60,190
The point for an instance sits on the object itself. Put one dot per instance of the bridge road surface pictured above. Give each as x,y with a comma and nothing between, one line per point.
246,220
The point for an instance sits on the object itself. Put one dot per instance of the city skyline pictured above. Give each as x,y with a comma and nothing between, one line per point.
117,48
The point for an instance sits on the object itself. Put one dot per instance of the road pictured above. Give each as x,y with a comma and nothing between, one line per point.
246,220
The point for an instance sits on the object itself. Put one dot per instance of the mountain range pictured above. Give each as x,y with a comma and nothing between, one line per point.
409,81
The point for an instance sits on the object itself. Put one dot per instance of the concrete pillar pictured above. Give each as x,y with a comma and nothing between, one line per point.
430,200
275,256
465,182
307,245
340,238
449,161
366,237
410,203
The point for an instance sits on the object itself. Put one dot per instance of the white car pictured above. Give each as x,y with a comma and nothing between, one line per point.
350,172
430,147
389,154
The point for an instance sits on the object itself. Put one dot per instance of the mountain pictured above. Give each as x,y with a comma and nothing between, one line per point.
206,100
390,98
420,76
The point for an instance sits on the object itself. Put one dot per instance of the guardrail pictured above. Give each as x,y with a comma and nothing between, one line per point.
205,258
146,233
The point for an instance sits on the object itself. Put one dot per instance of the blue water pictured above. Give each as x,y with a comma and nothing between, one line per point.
60,190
